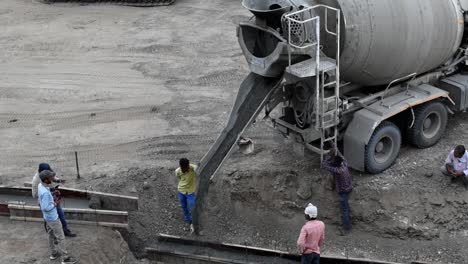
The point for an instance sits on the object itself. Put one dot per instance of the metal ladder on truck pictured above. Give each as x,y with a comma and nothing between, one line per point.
319,66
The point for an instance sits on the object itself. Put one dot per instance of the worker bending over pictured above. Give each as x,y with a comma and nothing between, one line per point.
456,165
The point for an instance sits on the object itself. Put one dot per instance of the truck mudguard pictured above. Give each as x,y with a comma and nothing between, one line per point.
361,128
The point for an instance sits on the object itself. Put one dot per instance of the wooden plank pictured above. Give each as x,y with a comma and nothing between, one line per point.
182,257
228,247
107,201
71,210
236,246
27,185
178,257
20,191
242,249
84,215
4,211
105,224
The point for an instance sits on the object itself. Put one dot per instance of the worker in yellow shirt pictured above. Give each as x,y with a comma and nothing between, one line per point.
187,176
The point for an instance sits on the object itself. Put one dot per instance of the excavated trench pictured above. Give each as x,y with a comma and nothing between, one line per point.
247,198
171,249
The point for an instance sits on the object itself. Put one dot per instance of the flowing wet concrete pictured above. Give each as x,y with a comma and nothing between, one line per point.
253,94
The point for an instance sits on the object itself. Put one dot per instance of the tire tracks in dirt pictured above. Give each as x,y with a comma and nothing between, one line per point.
164,147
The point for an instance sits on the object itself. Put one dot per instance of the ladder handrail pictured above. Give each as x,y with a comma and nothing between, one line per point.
320,76
311,8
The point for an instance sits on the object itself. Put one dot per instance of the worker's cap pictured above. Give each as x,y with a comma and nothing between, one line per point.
44,166
43,175
311,210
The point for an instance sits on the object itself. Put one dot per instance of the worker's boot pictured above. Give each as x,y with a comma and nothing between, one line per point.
54,256
69,260
344,232
453,179
465,182
68,233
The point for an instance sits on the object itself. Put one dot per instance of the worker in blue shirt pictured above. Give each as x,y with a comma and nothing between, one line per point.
54,226
61,214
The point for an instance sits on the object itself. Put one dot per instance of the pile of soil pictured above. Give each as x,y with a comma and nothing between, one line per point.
403,215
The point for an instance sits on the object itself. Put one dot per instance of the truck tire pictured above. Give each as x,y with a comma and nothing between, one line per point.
383,147
430,121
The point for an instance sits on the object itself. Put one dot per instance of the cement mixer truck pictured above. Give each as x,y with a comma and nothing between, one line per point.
365,74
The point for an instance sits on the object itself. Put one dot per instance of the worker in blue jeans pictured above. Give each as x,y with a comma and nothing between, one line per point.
187,202
337,165
187,176
345,218
61,214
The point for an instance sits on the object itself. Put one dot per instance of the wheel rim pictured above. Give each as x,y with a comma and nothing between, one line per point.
384,149
431,125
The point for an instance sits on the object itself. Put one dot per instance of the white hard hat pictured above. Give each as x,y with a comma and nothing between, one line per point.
311,211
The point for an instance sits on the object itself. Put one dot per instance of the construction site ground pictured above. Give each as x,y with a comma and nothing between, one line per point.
21,243
132,90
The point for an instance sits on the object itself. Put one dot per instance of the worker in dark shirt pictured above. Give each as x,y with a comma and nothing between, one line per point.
335,163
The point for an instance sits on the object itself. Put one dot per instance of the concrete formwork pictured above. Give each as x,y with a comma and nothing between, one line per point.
172,249
108,209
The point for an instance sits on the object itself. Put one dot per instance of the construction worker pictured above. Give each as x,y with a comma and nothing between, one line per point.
456,165
54,228
311,237
335,163
187,176
35,183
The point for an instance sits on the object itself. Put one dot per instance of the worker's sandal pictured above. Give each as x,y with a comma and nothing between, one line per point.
69,260
54,256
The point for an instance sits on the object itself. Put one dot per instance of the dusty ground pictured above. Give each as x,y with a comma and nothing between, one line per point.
133,89
23,242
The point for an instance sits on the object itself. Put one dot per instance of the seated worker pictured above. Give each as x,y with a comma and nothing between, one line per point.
456,165
37,181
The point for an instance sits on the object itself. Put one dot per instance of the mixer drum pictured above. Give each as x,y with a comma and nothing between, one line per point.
387,39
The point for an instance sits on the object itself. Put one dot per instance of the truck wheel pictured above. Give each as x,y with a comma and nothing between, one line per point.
383,147
430,121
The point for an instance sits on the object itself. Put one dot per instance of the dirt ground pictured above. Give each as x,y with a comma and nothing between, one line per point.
22,242
134,89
